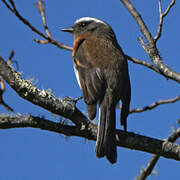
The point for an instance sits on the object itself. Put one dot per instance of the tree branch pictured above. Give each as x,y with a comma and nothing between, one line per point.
142,26
63,108
151,49
150,166
13,9
154,105
41,7
42,98
143,63
2,90
169,7
146,64
124,139
161,18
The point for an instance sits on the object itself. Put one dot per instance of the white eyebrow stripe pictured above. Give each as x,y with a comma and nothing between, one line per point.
88,19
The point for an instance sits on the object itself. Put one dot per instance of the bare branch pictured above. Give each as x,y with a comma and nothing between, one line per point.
60,45
41,7
124,139
169,8
142,26
159,31
41,41
42,98
10,57
2,90
161,18
28,24
146,48
143,63
154,105
150,166
8,6
151,50
17,14
4,104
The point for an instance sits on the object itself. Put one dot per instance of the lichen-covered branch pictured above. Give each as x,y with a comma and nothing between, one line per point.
124,139
42,98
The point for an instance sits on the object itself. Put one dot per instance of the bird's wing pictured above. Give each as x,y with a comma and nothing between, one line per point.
90,78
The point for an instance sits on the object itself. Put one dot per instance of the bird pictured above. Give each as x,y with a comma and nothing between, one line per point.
101,70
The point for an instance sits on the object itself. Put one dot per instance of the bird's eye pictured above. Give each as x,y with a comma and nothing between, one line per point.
83,24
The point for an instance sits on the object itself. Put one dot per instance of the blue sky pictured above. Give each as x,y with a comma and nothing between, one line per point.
36,154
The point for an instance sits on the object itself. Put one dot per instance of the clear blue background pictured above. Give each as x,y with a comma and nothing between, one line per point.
36,154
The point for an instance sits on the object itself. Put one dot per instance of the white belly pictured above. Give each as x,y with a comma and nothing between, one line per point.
77,76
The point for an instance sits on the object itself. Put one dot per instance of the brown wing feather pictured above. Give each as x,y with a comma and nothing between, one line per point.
91,81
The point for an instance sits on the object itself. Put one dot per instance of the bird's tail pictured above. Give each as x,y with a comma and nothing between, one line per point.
106,140
126,98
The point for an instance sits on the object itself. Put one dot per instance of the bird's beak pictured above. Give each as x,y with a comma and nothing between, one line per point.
69,30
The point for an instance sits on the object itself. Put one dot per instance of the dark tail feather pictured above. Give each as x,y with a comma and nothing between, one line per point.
110,138
99,149
124,114
126,98
125,111
106,140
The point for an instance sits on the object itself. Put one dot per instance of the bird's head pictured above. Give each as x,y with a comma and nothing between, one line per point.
88,26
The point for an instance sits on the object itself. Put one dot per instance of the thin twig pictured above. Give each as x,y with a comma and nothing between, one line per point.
161,18
8,6
41,7
15,11
145,64
154,105
169,7
159,31
28,24
2,90
150,166
41,41
10,57
10,61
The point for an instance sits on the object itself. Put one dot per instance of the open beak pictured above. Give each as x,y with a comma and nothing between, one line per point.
69,30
